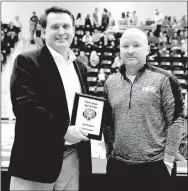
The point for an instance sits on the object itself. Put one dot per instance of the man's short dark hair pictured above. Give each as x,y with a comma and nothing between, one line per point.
55,9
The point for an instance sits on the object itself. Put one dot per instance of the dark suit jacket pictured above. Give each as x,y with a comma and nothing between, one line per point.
42,118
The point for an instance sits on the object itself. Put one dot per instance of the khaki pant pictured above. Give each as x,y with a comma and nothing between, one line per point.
68,179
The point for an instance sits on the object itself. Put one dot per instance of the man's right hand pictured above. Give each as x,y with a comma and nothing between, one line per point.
75,134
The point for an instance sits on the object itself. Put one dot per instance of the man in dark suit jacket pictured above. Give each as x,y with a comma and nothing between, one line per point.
48,153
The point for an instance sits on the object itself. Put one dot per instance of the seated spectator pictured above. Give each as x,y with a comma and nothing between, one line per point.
5,44
166,37
157,31
164,52
88,21
174,22
117,63
94,59
152,40
3,48
101,75
111,21
183,22
182,35
105,20
96,36
174,40
108,37
12,32
170,32
184,47
112,45
83,58
79,21
176,51
166,21
87,38
75,42
162,39
169,21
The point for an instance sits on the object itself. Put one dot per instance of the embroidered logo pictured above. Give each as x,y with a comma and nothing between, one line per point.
89,114
149,89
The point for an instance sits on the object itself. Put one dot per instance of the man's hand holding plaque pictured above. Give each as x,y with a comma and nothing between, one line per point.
88,114
75,134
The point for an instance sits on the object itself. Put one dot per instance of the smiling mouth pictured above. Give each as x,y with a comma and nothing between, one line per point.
62,39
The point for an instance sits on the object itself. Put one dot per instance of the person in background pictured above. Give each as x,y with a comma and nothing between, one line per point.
12,34
96,18
162,40
33,24
105,20
37,36
116,64
159,18
184,47
182,35
111,21
152,40
17,24
183,22
102,76
145,122
174,22
79,21
134,18
96,36
49,152
94,59
87,38
165,21
83,58
174,40
88,21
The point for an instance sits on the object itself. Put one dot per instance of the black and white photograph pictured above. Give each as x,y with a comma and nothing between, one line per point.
94,96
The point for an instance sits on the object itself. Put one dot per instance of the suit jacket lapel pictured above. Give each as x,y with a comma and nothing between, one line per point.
80,76
49,67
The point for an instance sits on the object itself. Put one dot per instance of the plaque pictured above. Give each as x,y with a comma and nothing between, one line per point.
88,113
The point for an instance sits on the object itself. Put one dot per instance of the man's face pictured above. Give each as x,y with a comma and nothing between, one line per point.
59,32
134,48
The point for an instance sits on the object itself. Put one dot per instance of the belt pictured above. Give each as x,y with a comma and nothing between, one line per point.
69,147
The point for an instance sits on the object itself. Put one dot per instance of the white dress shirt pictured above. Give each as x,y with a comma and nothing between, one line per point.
69,77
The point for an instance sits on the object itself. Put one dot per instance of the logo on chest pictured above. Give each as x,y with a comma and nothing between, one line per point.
150,89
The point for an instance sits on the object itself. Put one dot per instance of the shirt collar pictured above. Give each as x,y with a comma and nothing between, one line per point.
56,56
